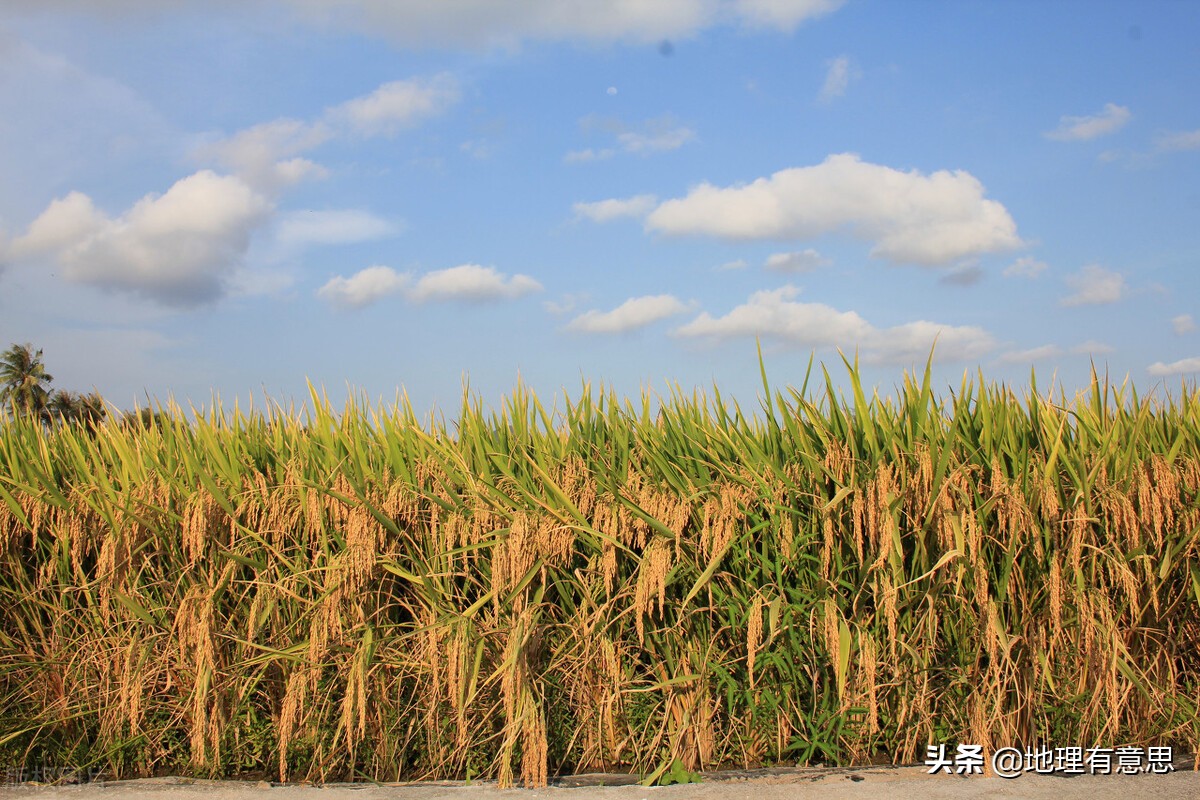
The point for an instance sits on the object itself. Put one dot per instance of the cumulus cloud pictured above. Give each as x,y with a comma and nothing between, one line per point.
635,313
1032,354
1183,366
798,261
471,282
1183,324
268,156
1025,267
607,210
363,287
909,217
775,314
1079,129
837,79
1094,285
732,266
177,248
339,226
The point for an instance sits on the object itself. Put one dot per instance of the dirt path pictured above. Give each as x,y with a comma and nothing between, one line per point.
906,783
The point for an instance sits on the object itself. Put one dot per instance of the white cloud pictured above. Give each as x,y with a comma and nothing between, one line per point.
1031,355
912,342
837,78
607,210
772,313
564,305
800,261
1183,324
637,312
265,155
932,219
1079,129
471,282
775,314
363,287
1092,347
268,155
733,266
176,248
341,226
1025,267
63,224
1182,367
396,105
1175,142
658,135
1094,285
655,140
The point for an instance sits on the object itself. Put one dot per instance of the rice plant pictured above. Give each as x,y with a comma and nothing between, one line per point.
365,595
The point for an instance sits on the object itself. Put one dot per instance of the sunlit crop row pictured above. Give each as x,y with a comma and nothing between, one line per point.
363,595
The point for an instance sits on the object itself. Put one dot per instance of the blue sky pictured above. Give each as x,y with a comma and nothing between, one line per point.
201,197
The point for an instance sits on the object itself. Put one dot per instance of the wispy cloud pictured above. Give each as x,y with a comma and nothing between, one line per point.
633,314
588,154
839,72
1183,324
797,261
616,208
1032,354
396,105
1177,141
657,135
1094,285
1025,267
1079,129
965,275
337,226
1092,348
909,217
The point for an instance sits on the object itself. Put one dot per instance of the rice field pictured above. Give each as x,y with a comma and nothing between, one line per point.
618,584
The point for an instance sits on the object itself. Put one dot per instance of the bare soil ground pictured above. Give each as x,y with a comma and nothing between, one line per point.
906,783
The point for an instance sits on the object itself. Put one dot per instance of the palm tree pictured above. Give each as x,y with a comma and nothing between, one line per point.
92,410
72,408
24,381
